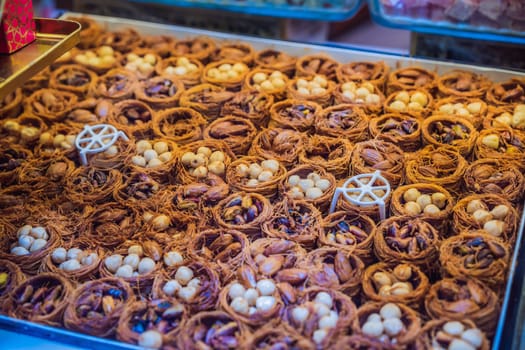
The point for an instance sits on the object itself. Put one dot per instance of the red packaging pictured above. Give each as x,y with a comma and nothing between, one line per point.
17,28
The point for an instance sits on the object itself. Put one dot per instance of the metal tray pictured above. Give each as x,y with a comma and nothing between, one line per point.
505,331
53,39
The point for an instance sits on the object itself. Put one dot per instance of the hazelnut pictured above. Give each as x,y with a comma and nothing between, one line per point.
481,216
474,205
403,272
500,212
411,195
494,227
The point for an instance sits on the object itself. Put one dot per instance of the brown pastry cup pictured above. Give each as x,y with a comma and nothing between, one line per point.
40,299
161,44
283,145
238,133
138,189
409,240
410,78
410,319
39,81
245,212
323,98
231,83
103,300
131,116
381,283
88,111
464,107
123,40
83,274
206,99
116,85
276,257
49,104
510,146
506,93
370,105
333,154
200,48
463,84
374,72
160,92
14,201
160,315
505,117
248,279
182,172
439,219
322,203
294,114
344,120
126,61
434,335
323,64
462,297
279,93
276,60
30,263
463,220
101,66
235,51
442,166
14,277
73,78
227,248
58,141
398,129
449,131
188,78
494,176
267,337
297,221
92,185
207,294
349,231
376,155
335,270
239,183
181,125
419,112
110,224
12,158
11,105
89,32
193,333
160,173
250,104
476,255
341,303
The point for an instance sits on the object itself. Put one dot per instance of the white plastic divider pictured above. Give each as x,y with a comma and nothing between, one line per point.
97,138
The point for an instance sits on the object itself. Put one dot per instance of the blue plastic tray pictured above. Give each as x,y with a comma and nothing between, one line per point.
417,19
323,10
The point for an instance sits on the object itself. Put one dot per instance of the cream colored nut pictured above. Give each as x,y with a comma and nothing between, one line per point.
419,98
251,296
373,99
431,209
473,336
259,77
198,160
150,154
390,310
132,260
29,133
252,183
439,200
25,241
313,193
414,106
124,271
373,329
142,146
266,287
305,184
187,293
504,118
171,287
112,151
424,200
324,298
447,109
11,125
173,259
398,106
319,335
318,91
184,275
481,216
314,176
474,205
255,170
138,160
74,253
113,262
160,147
59,255
236,290
165,157
150,339
136,249
271,165
323,184
240,305
393,326
403,272
296,193
200,172
500,212
153,163
24,230
373,317
329,321
217,156
161,222
278,83
243,170
265,303
321,309
302,83
403,96
45,138
146,265
382,279
89,259
400,288
362,92
265,176
37,245
217,167
463,112
411,195
303,91
474,107
294,180
230,75
105,50
349,95
349,86
458,344
195,283
454,328
39,232
70,265
267,85
412,208
494,227
188,158
19,251
385,290
300,314
491,141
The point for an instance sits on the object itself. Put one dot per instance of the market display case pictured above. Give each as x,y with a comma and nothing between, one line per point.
176,185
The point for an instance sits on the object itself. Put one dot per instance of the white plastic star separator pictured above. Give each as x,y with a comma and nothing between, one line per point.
97,138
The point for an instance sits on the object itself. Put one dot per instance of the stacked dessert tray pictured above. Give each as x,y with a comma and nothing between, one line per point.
170,187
